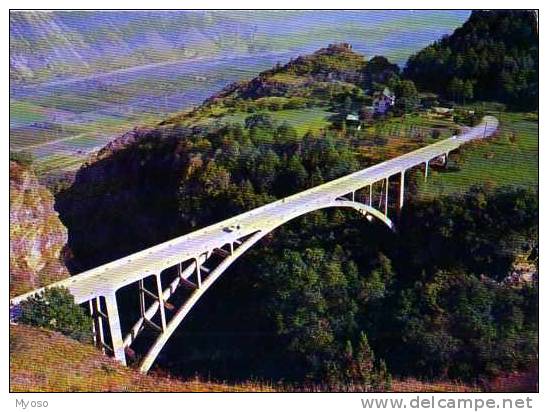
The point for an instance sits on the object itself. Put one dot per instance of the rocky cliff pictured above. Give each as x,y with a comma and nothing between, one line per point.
37,236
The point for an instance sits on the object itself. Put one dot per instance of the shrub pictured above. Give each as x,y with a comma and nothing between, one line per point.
55,309
22,157
436,134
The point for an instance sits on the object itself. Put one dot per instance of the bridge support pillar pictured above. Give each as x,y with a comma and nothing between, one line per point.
371,195
97,325
198,272
402,189
386,198
161,302
115,328
426,170
142,297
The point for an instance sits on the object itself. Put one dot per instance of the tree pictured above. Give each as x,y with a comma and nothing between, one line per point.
55,309
468,91
379,70
214,178
347,105
292,178
407,96
285,134
266,170
497,51
364,362
316,177
259,120
378,281
22,157
455,88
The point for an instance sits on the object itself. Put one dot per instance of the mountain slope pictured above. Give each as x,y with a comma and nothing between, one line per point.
48,45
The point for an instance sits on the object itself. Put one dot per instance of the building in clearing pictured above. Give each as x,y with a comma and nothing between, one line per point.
383,101
353,119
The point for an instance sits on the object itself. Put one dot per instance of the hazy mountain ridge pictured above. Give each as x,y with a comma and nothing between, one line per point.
44,46
60,44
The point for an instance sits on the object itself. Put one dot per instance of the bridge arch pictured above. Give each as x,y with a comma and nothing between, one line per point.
186,307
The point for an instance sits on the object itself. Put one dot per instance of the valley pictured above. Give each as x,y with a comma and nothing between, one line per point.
329,301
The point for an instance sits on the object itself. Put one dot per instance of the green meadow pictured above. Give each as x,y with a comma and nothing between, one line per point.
508,159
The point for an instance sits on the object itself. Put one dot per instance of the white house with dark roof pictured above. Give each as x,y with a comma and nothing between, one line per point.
383,101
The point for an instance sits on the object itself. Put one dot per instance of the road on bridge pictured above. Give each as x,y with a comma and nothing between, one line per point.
107,279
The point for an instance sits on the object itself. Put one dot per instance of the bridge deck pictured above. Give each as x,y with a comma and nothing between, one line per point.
108,278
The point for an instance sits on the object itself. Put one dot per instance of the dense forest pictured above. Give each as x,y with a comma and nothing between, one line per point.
330,298
493,56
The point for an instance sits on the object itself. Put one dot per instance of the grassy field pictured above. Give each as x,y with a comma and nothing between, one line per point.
26,112
396,136
499,161
302,120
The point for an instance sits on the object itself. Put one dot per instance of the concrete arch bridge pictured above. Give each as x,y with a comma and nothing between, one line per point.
196,260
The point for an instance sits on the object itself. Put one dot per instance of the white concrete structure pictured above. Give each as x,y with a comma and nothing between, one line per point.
199,258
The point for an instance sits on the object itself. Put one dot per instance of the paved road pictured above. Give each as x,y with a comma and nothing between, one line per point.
108,278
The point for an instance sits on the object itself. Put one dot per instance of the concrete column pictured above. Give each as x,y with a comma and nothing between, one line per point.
198,273
386,199
115,328
93,328
99,334
161,301
371,194
353,196
142,297
402,188
426,170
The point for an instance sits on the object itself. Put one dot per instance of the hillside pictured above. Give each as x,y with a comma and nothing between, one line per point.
59,44
53,45
309,81
37,236
45,361
493,56
70,366
309,93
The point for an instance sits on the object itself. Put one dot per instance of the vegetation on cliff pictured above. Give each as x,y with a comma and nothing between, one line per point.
55,309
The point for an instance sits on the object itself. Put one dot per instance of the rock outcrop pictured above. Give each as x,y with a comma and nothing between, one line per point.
37,236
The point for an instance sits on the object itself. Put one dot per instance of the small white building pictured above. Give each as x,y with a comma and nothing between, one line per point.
383,101
353,120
